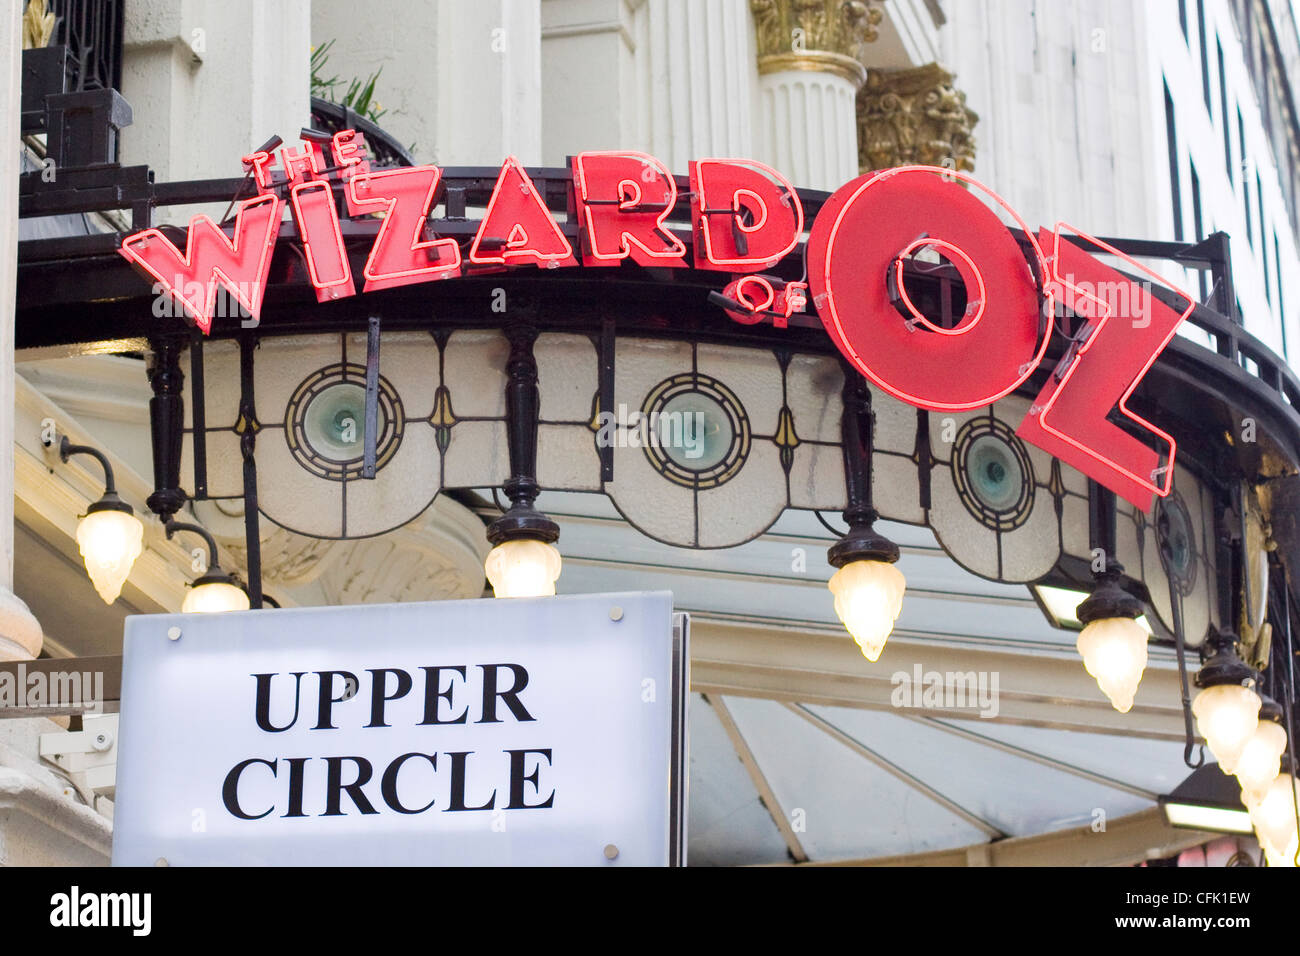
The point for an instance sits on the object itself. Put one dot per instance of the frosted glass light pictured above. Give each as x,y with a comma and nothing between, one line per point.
868,599
110,541
1114,652
1226,716
523,568
1261,758
1274,816
215,597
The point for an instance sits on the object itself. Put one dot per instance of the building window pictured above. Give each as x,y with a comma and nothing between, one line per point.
1268,277
1205,55
1175,191
1245,190
1259,207
1223,115
1198,225
1281,302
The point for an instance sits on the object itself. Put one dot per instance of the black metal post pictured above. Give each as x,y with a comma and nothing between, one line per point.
247,445
523,403
861,542
167,424
372,399
198,412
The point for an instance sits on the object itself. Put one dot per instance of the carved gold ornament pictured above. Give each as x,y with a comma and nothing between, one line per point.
38,25
914,116
825,36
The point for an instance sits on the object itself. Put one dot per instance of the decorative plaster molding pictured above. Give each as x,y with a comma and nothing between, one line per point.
914,116
438,556
20,632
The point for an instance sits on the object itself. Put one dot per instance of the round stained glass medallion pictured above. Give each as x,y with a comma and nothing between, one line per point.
325,422
993,474
1176,540
694,431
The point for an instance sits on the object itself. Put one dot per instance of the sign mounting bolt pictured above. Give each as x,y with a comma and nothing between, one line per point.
616,614
611,851
173,633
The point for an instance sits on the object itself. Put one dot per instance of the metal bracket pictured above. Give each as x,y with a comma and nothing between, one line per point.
87,756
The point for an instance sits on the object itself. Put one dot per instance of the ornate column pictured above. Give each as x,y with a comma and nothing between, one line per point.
914,116
810,70
20,633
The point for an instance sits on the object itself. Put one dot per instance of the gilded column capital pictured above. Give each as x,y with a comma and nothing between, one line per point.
914,116
38,25
823,36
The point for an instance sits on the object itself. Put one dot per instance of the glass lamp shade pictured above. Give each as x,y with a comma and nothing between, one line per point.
1261,758
524,567
868,599
1226,716
1274,816
1114,652
214,597
110,541
1284,859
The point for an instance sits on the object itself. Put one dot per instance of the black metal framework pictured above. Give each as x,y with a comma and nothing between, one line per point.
523,402
382,147
92,32
861,542
78,290
109,501
212,574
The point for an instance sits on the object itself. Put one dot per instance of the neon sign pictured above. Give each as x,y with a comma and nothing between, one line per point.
746,218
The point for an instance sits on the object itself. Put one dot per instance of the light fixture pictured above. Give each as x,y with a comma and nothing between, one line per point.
868,588
1227,708
109,536
523,567
1207,800
1061,607
215,590
1112,643
524,561
1274,815
1261,758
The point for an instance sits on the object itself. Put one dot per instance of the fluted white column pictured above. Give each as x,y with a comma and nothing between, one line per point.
20,633
809,127
810,70
699,80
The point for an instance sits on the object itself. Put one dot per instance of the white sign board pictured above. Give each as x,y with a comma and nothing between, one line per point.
490,732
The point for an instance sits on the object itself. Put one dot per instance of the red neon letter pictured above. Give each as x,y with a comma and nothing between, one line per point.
865,229
210,259
760,297
1130,327
623,200
322,240
401,255
347,146
744,215
518,228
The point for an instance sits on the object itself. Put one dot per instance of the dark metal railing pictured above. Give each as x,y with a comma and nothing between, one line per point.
383,149
92,32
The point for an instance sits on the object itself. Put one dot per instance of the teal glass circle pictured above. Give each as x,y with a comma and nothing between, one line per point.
334,422
994,473
694,431
1175,532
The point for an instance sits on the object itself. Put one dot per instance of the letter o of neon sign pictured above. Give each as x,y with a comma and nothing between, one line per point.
857,237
